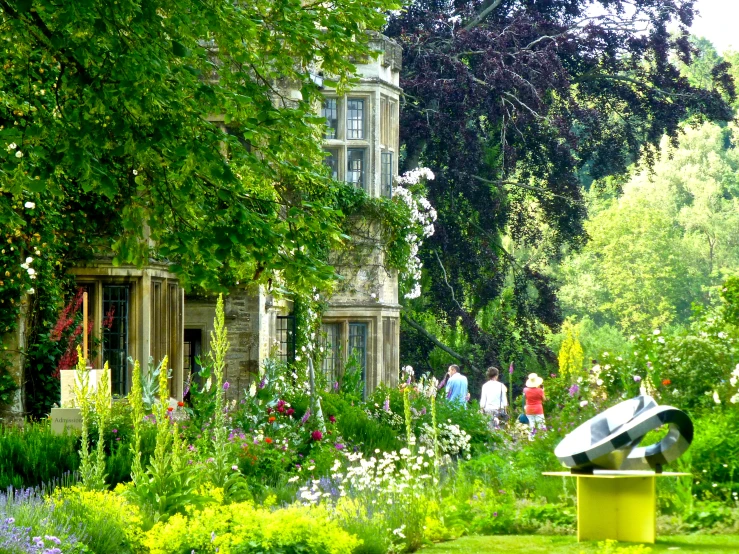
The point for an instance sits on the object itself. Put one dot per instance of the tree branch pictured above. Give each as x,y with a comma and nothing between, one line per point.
451,289
482,15
437,342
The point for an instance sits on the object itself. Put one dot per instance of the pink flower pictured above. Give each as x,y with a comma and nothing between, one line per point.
316,435
332,419
637,378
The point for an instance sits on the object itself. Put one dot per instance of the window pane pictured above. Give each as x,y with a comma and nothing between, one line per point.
332,160
355,118
331,365
384,123
358,345
115,335
355,167
386,174
285,328
331,112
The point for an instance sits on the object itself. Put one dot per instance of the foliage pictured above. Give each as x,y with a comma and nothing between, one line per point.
570,353
389,487
514,106
110,523
655,250
244,528
32,455
168,484
152,118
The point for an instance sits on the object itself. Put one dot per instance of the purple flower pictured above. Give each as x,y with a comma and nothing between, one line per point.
226,385
574,389
262,383
336,385
114,431
495,514
305,417
386,404
339,446
510,372
637,378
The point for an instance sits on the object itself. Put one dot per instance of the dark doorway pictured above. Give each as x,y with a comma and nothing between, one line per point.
191,354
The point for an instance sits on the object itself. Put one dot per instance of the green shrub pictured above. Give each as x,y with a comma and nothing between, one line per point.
104,521
706,516
243,529
32,455
357,428
715,456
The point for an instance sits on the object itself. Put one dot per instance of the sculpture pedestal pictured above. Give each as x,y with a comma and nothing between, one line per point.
617,505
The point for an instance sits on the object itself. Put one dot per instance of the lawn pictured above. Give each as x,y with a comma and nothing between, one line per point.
535,544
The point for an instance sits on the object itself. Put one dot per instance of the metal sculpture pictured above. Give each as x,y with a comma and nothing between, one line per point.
611,439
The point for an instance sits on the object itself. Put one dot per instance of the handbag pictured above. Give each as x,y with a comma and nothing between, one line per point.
501,414
523,418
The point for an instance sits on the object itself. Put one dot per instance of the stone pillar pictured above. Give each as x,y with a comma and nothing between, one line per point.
14,344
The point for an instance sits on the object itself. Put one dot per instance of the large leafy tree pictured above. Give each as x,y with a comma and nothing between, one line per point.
671,236
514,104
185,130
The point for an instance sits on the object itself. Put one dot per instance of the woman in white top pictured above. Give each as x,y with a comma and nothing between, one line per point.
494,399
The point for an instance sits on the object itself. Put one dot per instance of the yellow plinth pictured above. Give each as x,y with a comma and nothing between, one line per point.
617,505
619,509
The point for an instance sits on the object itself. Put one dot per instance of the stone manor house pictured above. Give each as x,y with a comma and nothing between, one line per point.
153,316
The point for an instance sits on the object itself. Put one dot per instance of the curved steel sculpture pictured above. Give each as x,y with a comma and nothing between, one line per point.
611,439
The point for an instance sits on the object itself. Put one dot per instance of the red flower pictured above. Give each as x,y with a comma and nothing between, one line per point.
316,435
290,412
666,382
271,419
180,403
170,408
268,440
332,419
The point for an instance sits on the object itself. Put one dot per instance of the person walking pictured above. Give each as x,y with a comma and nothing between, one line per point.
534,407
456,386
493,399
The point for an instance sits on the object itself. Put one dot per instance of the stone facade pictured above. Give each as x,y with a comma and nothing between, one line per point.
363,314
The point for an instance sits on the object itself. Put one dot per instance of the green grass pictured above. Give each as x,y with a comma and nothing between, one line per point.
536,544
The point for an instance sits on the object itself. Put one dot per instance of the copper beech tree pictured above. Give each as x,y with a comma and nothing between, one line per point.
516,105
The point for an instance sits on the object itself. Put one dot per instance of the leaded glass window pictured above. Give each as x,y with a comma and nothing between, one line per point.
285,329
355,167
115,335
331,342
357,345
332,160
386,174
355,118
331,112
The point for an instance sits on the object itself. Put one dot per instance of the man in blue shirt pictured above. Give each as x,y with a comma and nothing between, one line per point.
456,386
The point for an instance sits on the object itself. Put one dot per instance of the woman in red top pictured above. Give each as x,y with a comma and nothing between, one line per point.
534,395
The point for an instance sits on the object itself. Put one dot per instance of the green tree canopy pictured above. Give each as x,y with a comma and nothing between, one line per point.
674,232
189,123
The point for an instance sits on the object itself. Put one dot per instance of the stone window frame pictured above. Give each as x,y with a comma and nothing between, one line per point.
370,346
340,144
94,287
